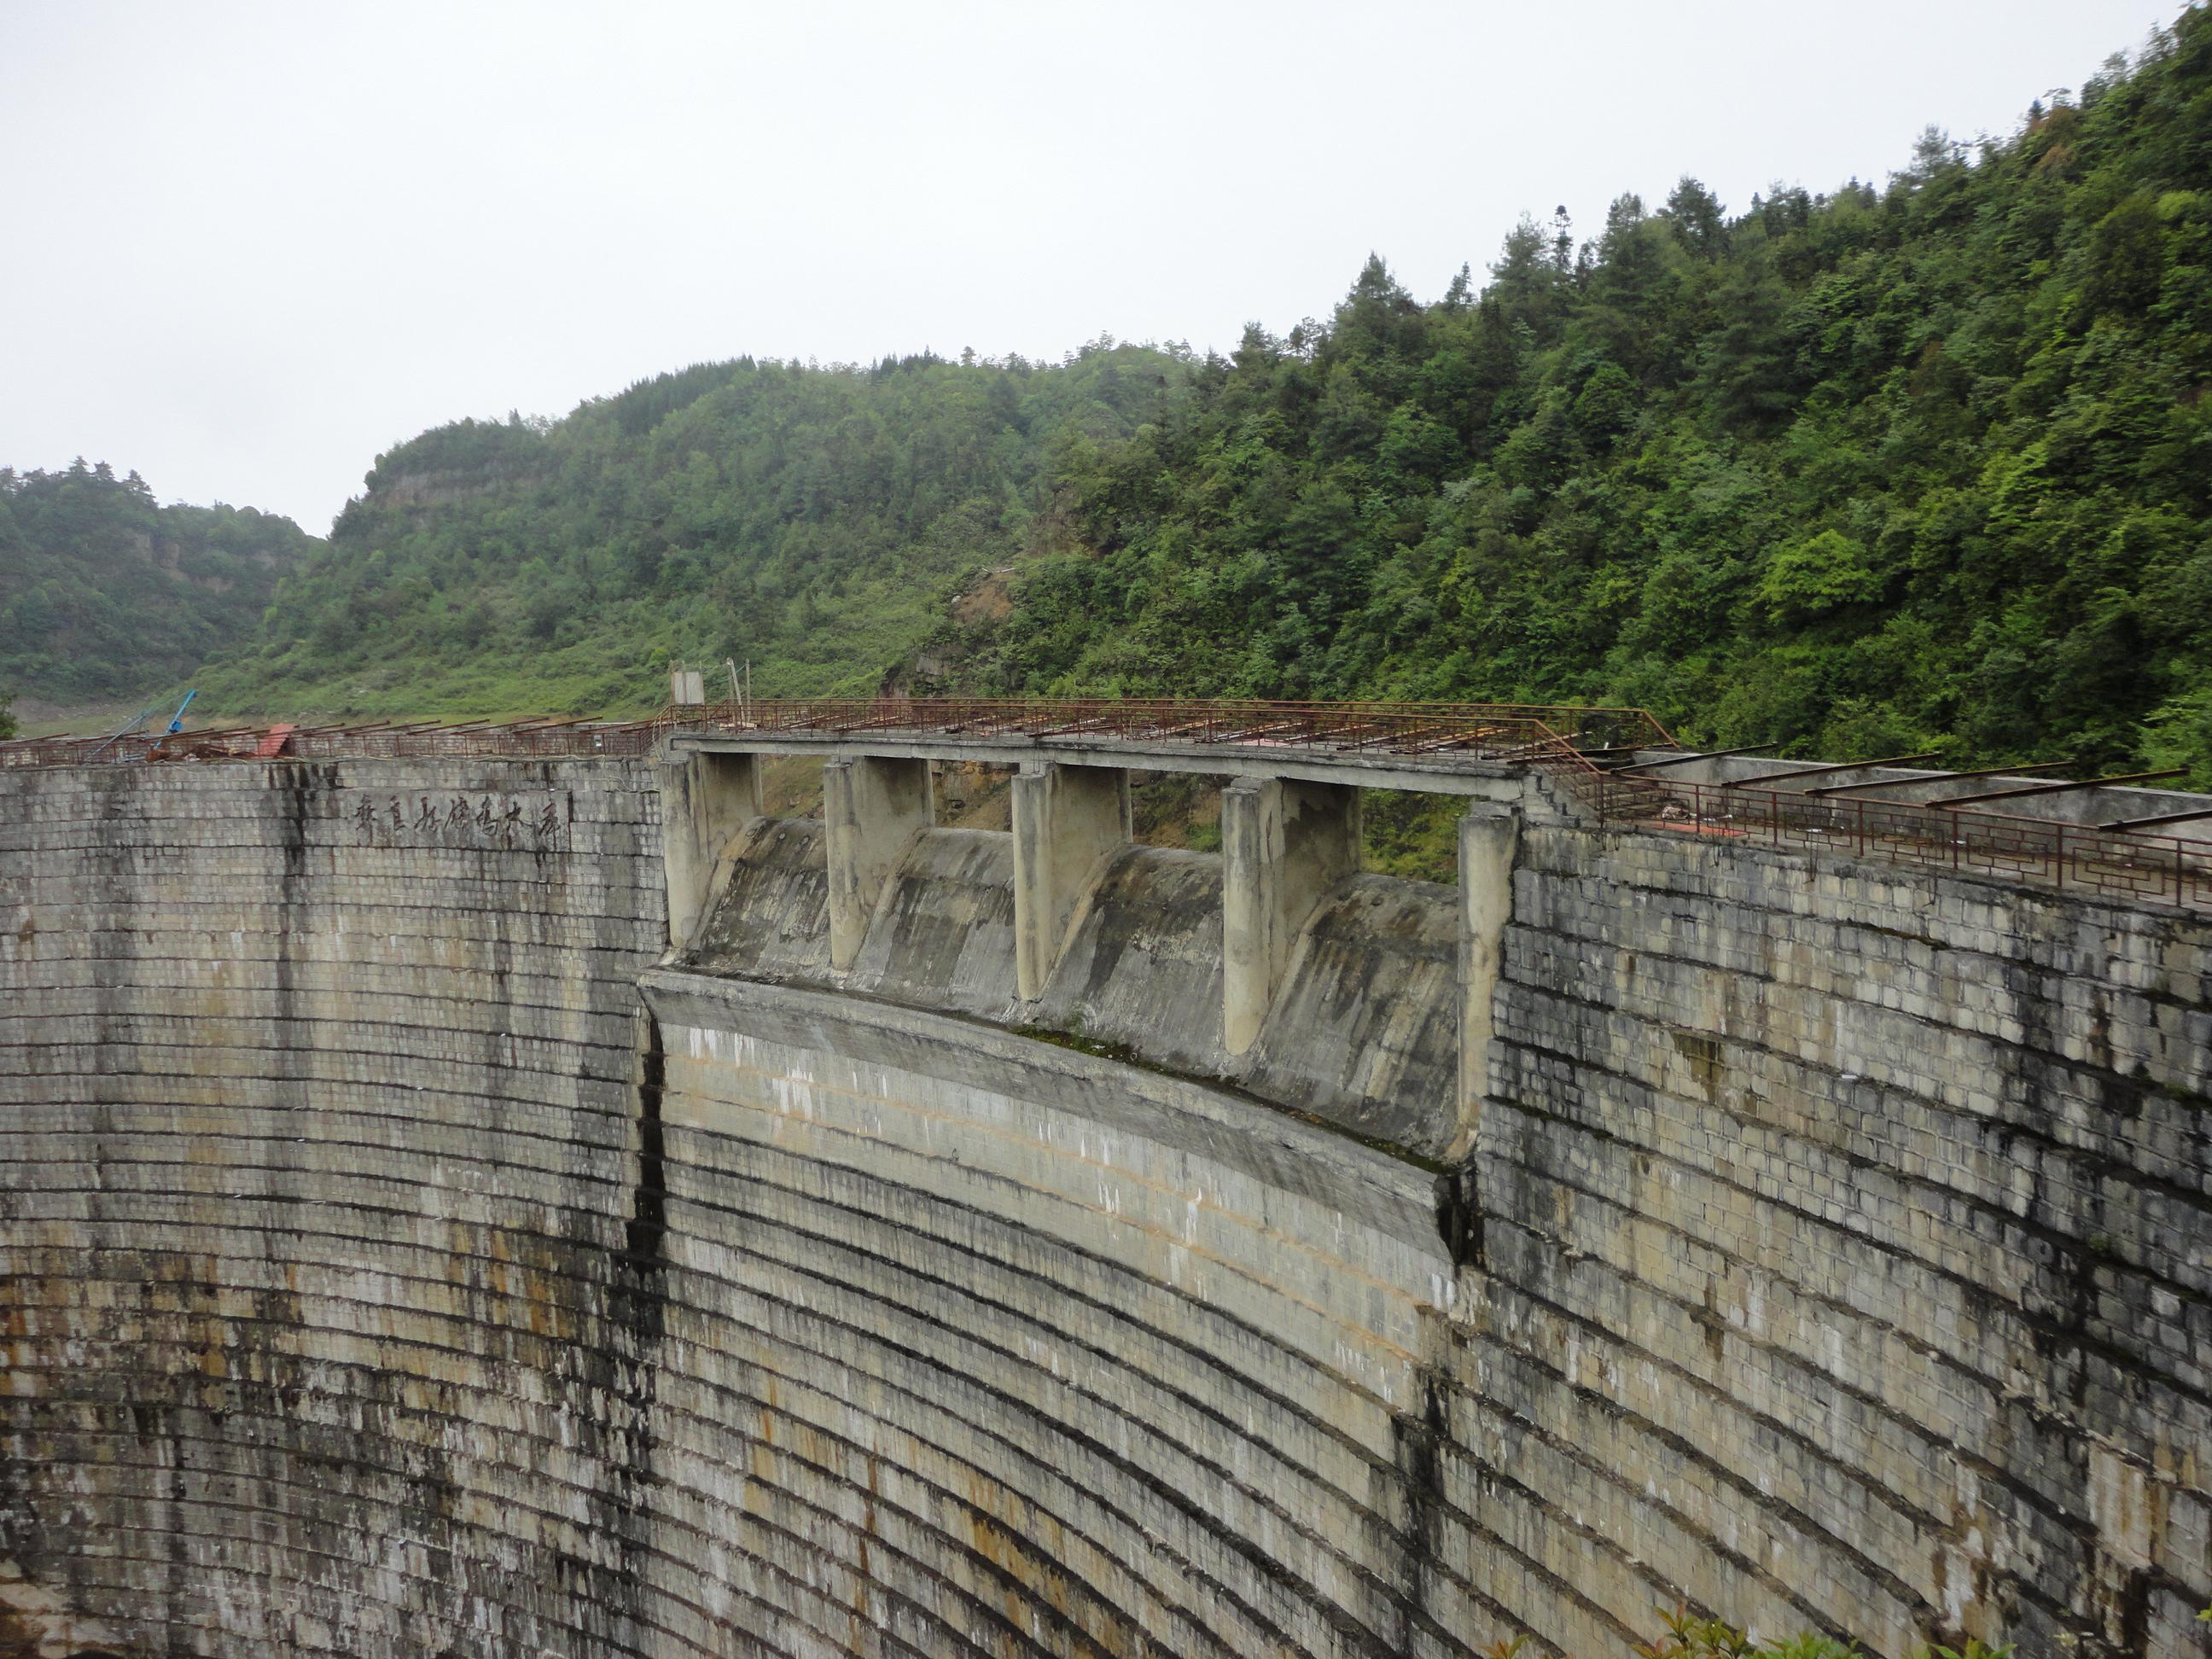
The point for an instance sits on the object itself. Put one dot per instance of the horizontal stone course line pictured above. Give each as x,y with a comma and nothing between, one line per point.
1673,1414
1827,883
1845,1178
1593,1328
363,1609
401,1186
988,1425
273,921
1977,1302
148,1494
1957,1127
1295,1385
1146,1422
330,803
228,854
543,1058
1700,1541
1084,1286
53,1128
242,861
118,1027
90,1020
359,1609
1912,926
874,1193
132,958
1567,935
1922,1597
244,865
538,994
433,1290
491,1491
599,970
1823,1367
337,1122
1967,993
753,1277
715,1422
1603,1595
2038,1093
594,1100
291,782
860,1117
419,1304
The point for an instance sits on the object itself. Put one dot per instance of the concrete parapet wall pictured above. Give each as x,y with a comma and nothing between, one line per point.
399,1261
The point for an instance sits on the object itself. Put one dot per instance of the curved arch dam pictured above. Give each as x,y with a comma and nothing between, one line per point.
504,1208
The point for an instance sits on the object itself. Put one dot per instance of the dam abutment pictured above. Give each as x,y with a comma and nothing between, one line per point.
420,1240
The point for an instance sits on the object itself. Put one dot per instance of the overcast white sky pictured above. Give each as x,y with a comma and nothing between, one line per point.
249,245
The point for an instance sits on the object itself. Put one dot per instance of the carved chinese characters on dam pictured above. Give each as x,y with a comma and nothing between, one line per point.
504,824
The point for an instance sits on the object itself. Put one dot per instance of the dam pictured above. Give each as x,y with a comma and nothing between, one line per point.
501,1191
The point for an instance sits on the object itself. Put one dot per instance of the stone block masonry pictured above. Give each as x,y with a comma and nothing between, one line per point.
405,1252
321,1143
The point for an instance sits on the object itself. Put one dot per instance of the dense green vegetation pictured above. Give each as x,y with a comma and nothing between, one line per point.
1927,466
814,522
104,594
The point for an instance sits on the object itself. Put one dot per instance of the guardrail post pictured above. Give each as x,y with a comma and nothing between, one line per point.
1285,845
1068,821
872,808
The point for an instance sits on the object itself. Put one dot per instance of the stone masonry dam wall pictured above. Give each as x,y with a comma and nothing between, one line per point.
406,1253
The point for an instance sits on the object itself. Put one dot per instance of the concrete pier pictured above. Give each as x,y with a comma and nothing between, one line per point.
872,808
706,798
1068,820
1488,841
1285,844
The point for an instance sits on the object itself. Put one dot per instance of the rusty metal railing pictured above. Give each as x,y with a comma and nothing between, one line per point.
1479,731
2127,866
1471,731
434,741
1558,742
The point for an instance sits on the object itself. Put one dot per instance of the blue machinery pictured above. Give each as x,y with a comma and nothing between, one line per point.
176,721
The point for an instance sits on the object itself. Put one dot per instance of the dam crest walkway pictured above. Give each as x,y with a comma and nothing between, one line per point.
1608,766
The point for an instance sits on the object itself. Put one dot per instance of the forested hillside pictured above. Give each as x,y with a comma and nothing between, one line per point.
1926,465
815,522
106,595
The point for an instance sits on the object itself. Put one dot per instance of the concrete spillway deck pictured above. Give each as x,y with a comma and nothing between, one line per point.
494,1207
